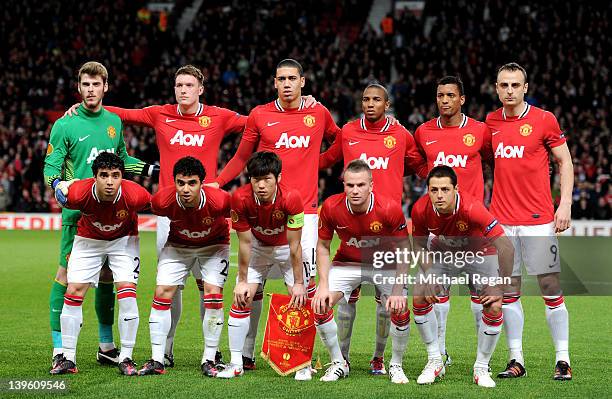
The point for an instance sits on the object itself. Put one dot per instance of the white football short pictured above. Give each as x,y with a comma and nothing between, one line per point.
211,262
88,256
270,262
344,277
310,234
536,246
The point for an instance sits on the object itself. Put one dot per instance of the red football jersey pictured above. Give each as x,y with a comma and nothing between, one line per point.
470,226
461,147
267,222
384,218
200,226
521,188
107,220
296,136
177,135
386,148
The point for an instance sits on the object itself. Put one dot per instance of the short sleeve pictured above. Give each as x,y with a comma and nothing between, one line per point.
295,210
553,136
238,213
419,225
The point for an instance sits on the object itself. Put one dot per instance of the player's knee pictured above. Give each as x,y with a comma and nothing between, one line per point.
165,291
494,307
76,289
62,275
515,284
549,284
212,289
418,300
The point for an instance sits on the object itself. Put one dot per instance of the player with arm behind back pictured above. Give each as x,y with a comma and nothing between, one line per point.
108,230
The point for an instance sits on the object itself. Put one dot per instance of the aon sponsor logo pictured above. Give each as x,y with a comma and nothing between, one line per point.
194,234
287,141
509,151
455,242
93,154
269,232
107,227
454,161
186,139
375,162
353,242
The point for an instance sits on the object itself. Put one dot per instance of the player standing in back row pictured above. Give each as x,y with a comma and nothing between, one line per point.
295,133
456,140
522,138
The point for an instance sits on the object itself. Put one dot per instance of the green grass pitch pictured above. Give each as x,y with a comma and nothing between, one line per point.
28,261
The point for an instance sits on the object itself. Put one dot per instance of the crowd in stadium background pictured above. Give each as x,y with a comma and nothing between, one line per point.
237,45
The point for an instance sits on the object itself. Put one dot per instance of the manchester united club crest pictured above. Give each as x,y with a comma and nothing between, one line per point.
234,216
111,132
525,130
122,214
461,225
390,142
309,120
49,149
204,121
293,321
376,226
469,139
208,220
278,214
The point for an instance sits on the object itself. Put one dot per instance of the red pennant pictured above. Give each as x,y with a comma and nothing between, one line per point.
290,334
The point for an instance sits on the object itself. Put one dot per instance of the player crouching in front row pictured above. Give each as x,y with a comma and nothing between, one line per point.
461,225
268,221
199,235
108,229
356,215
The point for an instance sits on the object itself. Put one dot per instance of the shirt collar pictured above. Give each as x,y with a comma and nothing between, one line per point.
521,115
464,121
370,206
95,194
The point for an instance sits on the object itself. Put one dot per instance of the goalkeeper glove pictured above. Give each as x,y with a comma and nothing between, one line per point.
152,171
61,190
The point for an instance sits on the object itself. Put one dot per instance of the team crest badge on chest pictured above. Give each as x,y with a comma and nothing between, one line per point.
111,132
122,214
469,139
461,225
278,214
390,142
309,120
376,226
207,220
525,130
204,121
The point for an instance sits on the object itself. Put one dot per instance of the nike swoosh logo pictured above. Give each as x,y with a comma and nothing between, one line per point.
154,322
83,138
272,123
428,229
416,322
168,120
130,319
402,329
220,323
231,325
494,133
353,142
56,310
341,227
491,334
430,142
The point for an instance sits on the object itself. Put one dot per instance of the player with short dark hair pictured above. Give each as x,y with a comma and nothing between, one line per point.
286,127
268,220
458,141
73,145
361,219
460,224
523,138
198,238
107,230
389,150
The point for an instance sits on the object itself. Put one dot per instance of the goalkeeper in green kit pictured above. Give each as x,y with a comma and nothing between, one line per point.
74,144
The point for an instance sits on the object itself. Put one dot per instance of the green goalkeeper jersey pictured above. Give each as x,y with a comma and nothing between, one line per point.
76,141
